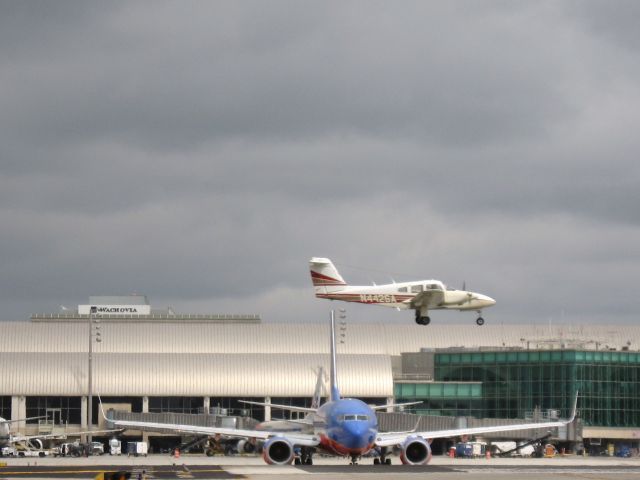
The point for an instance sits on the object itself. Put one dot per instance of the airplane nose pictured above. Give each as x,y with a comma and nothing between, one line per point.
359,434
487,301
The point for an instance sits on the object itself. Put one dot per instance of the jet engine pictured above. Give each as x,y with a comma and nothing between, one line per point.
245,446
415,451
36,443
277,451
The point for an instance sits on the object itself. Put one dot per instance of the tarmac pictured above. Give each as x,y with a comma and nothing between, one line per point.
253,467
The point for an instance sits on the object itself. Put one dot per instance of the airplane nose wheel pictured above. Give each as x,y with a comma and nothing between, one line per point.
480,321
422,320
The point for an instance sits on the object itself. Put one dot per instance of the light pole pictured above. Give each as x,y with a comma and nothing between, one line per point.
92,320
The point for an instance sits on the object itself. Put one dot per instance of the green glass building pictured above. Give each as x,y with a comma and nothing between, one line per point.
514,383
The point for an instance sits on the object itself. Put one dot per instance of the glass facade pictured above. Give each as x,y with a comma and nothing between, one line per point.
233,406
69,408
5,407
514,383
450,399
175,404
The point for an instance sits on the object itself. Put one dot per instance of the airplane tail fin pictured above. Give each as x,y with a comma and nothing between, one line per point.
335,393
325,276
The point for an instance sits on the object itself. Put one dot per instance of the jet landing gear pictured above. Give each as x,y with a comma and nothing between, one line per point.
382,460
420,320
479,320
306,457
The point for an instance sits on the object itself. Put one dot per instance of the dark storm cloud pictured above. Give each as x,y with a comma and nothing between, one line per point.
200,152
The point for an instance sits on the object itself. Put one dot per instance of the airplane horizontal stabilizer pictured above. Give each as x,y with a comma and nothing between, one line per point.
375,408
291,408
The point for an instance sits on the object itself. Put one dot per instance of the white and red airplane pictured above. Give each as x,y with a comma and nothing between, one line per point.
421,296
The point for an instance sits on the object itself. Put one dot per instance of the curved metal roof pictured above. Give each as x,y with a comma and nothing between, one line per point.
300,338
156,374
202,359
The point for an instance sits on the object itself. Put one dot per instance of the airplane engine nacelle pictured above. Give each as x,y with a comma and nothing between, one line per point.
36,443
245,446
415,451
455,297
277,451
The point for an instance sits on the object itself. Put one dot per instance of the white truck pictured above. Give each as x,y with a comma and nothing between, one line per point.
115,447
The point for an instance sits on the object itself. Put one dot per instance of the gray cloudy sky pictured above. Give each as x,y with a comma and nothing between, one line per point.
202,152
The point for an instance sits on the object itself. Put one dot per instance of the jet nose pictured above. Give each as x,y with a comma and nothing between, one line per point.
359,435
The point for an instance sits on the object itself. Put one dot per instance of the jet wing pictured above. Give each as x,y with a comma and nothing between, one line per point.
303,439
389,439
429,299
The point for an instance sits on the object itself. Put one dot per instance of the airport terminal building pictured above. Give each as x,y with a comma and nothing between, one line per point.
145,360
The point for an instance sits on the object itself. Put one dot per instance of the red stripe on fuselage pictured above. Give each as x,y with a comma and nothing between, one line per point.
336,448
365,298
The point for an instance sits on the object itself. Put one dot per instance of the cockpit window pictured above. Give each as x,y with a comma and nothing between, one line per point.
433,286
402,289
351,418
416,288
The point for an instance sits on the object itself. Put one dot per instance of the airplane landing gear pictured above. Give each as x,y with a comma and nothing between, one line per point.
306,456
420,320
354,460
382,460
480,321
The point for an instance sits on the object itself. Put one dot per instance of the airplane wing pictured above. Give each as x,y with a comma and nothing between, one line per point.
429,299
296,438
303,439
389,439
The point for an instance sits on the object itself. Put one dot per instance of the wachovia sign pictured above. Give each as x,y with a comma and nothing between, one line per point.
115,309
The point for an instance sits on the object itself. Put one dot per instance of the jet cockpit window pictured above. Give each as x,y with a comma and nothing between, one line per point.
416,288
351,418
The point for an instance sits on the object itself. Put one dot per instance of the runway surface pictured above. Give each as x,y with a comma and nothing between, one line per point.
162,467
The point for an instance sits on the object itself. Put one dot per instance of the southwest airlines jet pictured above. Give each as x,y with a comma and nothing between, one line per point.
420,295
345,427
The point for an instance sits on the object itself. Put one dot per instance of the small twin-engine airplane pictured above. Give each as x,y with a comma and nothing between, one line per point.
421,296
345,427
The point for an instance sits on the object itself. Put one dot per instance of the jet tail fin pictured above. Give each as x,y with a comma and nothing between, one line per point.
325,276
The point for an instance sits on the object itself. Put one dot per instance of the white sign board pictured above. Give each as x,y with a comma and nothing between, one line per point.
115,309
